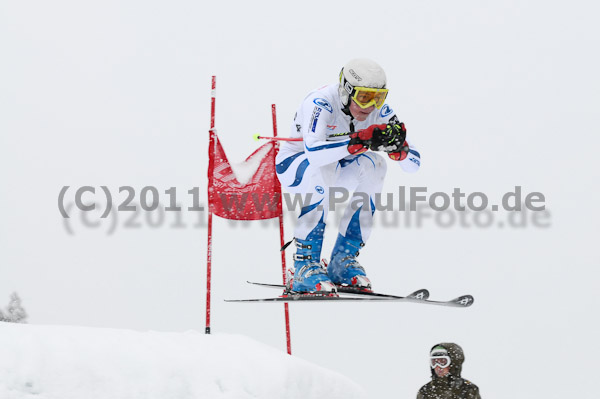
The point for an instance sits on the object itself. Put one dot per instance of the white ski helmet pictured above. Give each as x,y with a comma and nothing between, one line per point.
360,72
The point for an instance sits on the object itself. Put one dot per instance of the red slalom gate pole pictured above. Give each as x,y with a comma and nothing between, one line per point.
281,244
211,153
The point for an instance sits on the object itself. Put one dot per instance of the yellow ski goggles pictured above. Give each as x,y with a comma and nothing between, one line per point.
365,97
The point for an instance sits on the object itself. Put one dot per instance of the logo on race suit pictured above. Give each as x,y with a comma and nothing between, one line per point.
331,127
315,119
321,102
319,189
385,111
414,160
298,128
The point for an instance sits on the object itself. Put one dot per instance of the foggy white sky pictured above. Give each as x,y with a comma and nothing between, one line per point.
495,95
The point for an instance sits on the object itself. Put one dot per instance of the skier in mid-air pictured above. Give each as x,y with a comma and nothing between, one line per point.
446,361
344,127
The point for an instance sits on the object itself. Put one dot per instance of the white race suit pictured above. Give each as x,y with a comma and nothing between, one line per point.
321,162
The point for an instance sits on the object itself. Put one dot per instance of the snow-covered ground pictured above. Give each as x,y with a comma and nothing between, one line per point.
59,362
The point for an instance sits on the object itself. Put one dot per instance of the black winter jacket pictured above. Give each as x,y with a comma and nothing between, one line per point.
452,386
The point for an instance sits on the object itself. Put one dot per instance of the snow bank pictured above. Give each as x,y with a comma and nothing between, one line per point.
58,362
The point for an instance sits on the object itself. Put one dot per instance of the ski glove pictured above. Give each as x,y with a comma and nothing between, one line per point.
361,141
387,138
394,142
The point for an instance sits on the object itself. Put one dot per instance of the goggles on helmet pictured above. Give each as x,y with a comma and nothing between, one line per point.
365,97
442,361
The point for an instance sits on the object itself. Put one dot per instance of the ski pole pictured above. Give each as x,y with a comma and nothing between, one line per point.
257,137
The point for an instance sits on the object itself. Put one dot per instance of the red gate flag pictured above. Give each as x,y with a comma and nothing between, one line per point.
246,191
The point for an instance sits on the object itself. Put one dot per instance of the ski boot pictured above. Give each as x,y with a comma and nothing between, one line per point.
343,269
309,275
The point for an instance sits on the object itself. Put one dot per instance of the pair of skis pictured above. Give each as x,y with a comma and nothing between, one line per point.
345,294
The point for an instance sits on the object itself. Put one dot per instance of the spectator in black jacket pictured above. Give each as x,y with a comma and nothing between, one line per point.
446,361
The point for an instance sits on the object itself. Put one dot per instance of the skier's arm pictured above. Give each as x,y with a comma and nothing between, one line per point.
412,162
319,150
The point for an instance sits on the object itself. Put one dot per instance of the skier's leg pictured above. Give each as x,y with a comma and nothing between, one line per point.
298,177
311,184
364,176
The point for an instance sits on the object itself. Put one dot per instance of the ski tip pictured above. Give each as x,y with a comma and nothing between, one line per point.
421,294
464,301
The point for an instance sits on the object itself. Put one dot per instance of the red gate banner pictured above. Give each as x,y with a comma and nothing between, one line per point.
246,191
